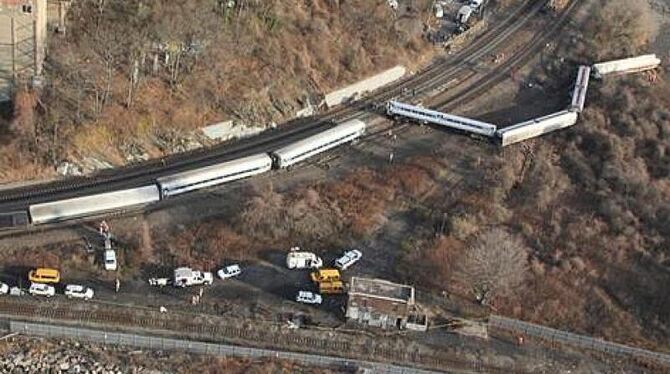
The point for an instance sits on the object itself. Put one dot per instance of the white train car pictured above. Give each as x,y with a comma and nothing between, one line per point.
627,65
62,210
536,127
215,174
394,108
581,87
318,143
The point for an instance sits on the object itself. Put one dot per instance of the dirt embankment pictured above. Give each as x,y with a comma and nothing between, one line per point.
133,79
30,355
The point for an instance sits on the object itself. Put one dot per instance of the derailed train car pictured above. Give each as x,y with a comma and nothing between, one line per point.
192,180
60,210
321,142
536,127
208,176
581,87
626,65
417,113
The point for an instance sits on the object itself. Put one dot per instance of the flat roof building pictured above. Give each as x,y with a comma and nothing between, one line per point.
380,303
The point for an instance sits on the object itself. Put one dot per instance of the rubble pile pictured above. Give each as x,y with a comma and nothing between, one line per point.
64,357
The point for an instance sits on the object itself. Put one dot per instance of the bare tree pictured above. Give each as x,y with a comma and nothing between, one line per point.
495,264
620,29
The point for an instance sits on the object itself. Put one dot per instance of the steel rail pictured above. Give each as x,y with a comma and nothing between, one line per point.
134,175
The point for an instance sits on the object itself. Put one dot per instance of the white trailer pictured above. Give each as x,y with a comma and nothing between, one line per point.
581,87
214,174
625,66
536,127
318,143
423,115
92,204
297,259
184,277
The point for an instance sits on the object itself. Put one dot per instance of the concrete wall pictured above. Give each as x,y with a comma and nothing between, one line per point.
353,91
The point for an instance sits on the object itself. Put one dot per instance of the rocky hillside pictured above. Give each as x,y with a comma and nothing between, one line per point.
133,79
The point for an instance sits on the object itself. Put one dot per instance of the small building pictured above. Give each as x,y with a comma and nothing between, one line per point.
380,303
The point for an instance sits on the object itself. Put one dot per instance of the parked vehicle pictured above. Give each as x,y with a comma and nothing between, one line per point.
110,260
307,297
188,277
229,271
160,282
44,275
325,275
297,259
76,291
348,258
333,287
16,291
463,15
4,289
41,289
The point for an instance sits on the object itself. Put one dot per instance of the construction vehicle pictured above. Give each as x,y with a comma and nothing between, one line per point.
331,287
325,275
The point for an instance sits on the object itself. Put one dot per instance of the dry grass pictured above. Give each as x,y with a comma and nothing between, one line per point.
257,63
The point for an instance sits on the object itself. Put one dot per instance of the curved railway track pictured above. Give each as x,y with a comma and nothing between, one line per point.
441,72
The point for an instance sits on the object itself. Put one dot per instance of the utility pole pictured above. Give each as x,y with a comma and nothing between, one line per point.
39,36
13,42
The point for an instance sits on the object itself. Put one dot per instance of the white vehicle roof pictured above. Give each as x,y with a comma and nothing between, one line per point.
40,286
183,272
301,255
215,174
110,254
321,142
92,204
306,294
75,288
465,11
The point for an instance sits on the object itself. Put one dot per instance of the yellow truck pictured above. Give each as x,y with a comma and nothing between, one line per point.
325,275
331,287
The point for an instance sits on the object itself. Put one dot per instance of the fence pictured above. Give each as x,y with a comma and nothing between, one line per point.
159,343
581,341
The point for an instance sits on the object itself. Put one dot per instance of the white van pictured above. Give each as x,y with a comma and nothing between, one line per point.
110,260
303,260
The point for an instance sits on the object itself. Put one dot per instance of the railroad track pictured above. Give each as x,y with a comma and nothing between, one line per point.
438,73
241,332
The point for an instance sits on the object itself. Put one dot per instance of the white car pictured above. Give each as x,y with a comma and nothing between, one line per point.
41,289
76,291
4,289
229,271
307,297
110,260
348,258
